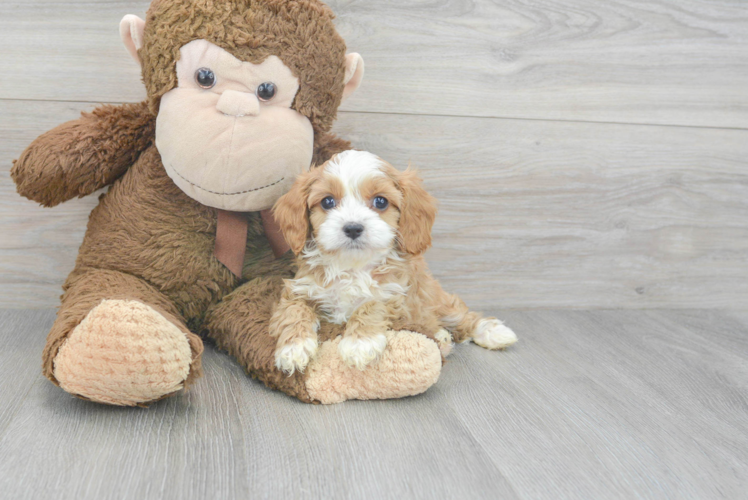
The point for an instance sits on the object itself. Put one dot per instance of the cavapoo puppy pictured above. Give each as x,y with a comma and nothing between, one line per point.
360,228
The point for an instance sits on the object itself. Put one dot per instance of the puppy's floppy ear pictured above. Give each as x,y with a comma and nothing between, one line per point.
292,213
417,213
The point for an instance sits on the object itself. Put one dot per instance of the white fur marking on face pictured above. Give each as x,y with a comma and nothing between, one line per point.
378,236
295,356
353,168
493,334
361,352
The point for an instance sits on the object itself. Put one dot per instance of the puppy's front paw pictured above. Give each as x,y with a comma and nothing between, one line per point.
360,352
493,334
295,355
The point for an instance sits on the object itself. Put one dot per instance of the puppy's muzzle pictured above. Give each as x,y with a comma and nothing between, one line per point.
353,231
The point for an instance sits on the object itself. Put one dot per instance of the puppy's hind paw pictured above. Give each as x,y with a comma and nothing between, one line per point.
493,334
444,341
360,352
295,356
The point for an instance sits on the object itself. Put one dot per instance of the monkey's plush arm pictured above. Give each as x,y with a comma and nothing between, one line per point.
83,155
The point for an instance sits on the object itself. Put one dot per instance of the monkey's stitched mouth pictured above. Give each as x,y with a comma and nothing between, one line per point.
226,194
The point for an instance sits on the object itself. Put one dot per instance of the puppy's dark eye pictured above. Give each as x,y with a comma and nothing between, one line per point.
380,202
328,203
205,78
266,91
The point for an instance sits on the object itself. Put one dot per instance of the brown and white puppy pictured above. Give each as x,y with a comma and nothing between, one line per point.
360,227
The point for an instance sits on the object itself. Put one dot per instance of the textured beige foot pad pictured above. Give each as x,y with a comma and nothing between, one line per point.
123,353
410,364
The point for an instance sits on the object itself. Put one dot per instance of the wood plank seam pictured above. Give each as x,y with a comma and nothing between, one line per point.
437,115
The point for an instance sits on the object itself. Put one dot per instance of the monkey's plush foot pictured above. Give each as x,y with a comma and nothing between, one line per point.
493,334
123,353
295,356
410,364
444,340
360,352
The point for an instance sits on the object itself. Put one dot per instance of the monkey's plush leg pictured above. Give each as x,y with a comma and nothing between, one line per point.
83,155
410,364
117,340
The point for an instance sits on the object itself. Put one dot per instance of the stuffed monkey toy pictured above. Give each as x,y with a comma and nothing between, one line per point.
241,97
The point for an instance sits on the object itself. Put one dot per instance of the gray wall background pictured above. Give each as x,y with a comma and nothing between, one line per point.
586,154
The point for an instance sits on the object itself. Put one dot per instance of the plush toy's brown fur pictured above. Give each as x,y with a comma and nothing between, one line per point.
108,141
149,242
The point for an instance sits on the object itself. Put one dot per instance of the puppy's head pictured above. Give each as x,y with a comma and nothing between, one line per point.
357,205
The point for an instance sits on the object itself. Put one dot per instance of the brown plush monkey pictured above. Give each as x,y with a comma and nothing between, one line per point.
241,98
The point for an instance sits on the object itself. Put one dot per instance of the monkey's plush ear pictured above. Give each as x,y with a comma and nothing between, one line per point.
354,73
131,30
291,213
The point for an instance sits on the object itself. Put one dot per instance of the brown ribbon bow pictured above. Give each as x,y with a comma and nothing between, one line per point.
231,238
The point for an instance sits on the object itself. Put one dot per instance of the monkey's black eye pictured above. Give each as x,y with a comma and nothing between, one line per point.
205,78
380,202
328,203
266,91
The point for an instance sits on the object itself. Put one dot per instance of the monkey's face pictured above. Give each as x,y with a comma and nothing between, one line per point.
227,134
238,107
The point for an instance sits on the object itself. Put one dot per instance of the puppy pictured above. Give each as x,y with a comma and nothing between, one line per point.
359,228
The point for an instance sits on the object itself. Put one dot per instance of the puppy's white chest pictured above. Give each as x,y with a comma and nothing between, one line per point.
346,293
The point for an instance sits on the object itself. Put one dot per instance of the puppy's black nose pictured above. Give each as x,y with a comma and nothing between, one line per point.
353,231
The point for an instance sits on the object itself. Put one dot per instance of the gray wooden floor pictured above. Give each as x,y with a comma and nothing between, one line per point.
603,404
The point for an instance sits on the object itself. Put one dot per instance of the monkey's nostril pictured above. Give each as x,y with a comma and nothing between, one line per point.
353,231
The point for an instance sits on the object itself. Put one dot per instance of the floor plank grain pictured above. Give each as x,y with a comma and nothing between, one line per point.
589,404
22,333
629,398
681,62
177,449
230,437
